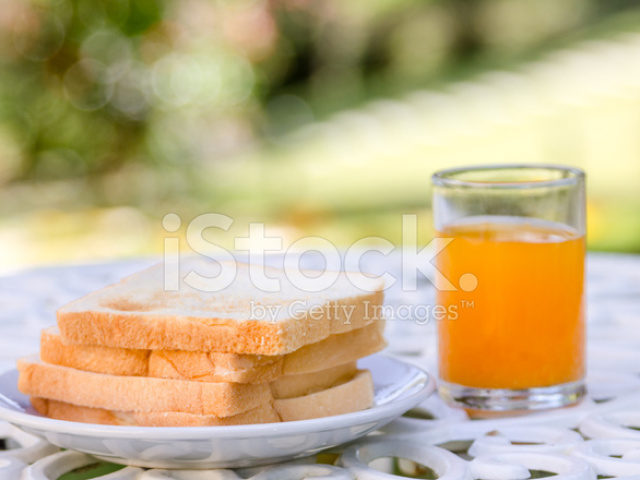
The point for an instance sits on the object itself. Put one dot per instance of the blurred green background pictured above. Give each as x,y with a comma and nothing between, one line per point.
316,118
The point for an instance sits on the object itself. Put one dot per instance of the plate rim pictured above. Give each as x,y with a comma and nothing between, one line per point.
426,386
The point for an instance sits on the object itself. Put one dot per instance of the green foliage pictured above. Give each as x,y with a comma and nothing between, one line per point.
170,104
88,87
91,471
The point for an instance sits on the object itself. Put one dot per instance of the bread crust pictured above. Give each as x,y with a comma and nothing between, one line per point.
142,394
336,350
138,313
213,366
289,386
203,367
350,396
75,413
95,358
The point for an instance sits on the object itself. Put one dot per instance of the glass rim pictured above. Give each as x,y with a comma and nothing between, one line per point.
441,177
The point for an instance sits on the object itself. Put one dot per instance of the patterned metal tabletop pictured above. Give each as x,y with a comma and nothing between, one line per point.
600,438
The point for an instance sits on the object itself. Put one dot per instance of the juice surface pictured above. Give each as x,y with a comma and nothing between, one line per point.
523,325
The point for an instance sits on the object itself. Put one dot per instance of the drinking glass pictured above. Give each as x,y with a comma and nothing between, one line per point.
512,281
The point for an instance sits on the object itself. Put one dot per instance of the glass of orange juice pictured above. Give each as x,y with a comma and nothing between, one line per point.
513,272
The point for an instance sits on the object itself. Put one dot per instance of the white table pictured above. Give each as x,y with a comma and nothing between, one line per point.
546,441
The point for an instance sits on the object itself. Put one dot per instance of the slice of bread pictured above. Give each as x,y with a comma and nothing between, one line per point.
94,358
289,386
200,366
141,394
75,413
204,367
213,366
139,313
351,396
336,350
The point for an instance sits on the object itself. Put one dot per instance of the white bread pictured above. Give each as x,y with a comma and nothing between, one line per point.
75,413
289,386
199,366
204,367
114,361
139,313
147,394
336,350
213,366
142,394
351,396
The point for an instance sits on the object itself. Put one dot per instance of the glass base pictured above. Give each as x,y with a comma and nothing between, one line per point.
507,400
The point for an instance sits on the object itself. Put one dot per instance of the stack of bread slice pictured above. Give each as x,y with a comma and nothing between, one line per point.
138,353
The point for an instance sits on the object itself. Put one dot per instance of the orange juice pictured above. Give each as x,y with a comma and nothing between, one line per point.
523,324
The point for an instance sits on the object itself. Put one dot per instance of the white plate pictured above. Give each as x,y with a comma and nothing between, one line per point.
399,387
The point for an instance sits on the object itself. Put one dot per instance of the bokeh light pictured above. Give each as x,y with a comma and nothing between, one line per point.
317,118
